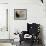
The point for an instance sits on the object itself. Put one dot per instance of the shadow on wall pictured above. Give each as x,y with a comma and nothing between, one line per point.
41,34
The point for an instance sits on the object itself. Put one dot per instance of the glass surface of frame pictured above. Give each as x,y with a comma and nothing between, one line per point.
20,14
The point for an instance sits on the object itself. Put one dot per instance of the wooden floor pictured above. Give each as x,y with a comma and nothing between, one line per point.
6,40
27,44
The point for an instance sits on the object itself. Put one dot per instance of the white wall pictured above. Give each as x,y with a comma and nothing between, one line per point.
35,13
3,1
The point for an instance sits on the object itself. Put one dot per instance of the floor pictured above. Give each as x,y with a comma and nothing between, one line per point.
5,44
23,44
27,44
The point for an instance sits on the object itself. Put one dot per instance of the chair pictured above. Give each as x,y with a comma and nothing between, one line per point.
33,30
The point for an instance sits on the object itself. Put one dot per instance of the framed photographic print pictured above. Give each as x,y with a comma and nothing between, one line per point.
20,14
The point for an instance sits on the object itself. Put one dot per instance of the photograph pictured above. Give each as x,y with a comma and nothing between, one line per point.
20,14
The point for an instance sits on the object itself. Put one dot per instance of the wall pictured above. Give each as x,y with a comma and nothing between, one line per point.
35,14
3,1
